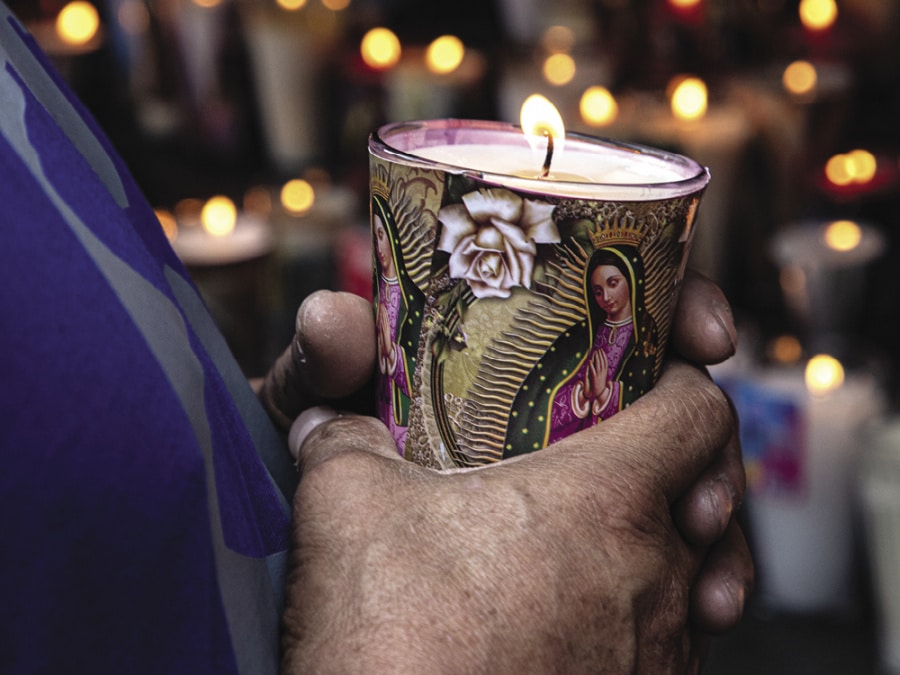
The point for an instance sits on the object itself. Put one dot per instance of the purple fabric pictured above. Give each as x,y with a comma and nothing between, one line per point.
108,558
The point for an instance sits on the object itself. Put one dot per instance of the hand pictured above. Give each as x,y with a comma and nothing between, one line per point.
386,356
596,379
331,357
564,560
703,332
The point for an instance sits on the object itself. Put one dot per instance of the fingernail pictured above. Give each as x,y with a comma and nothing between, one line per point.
722,495
305,424
724,318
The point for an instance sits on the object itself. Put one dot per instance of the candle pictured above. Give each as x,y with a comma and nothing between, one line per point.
880,492
501,153
801,432
223,236
489,239
435,81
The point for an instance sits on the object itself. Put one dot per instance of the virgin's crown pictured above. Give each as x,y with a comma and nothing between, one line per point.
623,229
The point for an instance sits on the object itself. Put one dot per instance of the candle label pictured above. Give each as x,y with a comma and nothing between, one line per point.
507,320
773,438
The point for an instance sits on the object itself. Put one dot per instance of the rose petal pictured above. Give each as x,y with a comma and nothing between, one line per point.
457,224
461,258
489,237
527,263
513,265
537,222
485,204
515,236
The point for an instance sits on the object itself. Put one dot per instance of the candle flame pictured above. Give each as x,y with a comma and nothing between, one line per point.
688,98
297,196
219,216
842,235
598,106
824,374
856,166
291,5
818,15
559,69
543,126
380,49
77,23
800,78
444,54
785,349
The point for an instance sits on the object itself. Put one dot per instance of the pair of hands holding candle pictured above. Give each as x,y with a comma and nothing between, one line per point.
613,550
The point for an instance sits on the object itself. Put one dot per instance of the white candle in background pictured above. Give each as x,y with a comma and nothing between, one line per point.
880,493
223,237
802,443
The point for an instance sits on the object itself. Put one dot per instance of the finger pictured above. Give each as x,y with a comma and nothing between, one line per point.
670,435
702,515
331,356
724,583
703,329
320,437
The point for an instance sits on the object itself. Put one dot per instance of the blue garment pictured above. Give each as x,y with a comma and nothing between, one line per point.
144,495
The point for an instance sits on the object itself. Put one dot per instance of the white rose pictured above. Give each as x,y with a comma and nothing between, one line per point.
492,239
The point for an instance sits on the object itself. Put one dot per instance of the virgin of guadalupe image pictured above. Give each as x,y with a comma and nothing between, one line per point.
605,361
398,317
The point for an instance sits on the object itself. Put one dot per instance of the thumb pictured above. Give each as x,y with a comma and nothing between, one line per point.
321,433
331,356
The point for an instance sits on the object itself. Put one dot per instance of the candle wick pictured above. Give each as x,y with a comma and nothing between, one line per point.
545,171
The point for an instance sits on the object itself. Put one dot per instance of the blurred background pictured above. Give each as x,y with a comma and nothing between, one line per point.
246,124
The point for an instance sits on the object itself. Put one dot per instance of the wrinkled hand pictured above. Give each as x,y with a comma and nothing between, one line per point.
592,554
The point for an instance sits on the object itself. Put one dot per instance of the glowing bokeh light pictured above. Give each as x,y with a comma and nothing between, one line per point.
219,216
839,170
291,5
857,166
864,165
785,349
823,374
684,4
842,235
558,39
559,69
297,196
77,23
336,5
800,78
818,14
444,54
380,49
168,223
598,106
688,98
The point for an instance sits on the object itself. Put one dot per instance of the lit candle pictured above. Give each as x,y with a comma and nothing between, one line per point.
688,98
433,81
801,432
223,236
517,156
